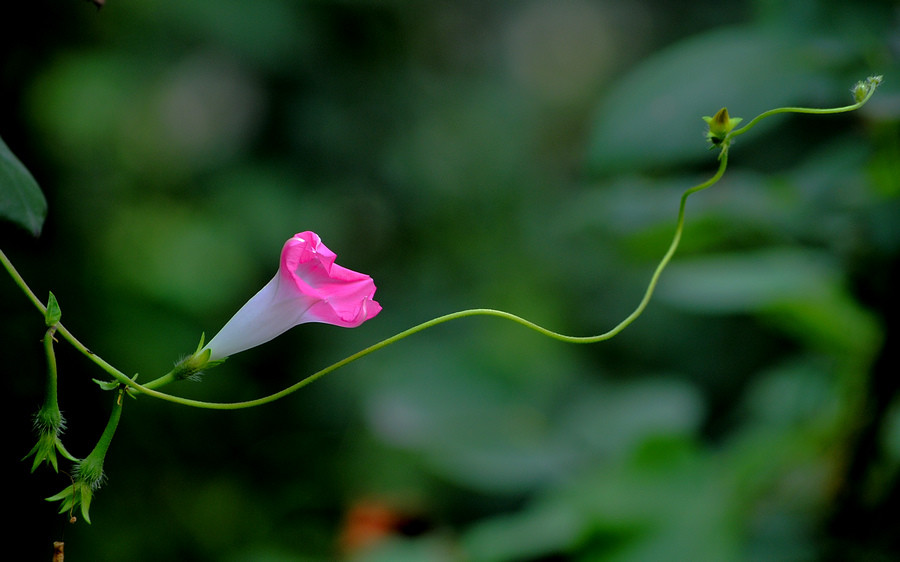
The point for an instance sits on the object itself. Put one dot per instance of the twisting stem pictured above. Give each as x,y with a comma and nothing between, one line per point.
862,92
51,399
60,329
654,279
673,246
98,454
870,86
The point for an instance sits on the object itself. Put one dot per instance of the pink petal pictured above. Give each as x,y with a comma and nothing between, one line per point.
309,287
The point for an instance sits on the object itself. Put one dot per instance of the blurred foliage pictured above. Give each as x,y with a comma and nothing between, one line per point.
519,155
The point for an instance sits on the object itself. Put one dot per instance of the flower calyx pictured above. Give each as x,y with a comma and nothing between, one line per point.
191,368
49,425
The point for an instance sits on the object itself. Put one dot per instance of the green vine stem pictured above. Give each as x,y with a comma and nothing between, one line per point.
60,329
862,92
149,389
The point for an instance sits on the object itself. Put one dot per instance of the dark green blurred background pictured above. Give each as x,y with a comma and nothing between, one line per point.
526,156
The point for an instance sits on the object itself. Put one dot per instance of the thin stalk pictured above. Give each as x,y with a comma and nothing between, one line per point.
811,110
60,329
149,389
868,87
673,246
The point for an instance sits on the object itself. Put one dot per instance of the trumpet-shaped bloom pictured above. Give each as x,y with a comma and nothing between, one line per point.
309,287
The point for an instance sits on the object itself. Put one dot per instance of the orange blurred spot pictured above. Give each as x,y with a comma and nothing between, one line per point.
367,523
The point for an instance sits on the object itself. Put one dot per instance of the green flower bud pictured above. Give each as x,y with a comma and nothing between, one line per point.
864,87
719,126
88,473
49,422
859,91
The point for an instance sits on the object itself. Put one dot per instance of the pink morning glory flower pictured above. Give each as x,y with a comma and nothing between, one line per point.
309,287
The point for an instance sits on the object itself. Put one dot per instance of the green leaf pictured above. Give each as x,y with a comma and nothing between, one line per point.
652,116
53,314
106,385
21,199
